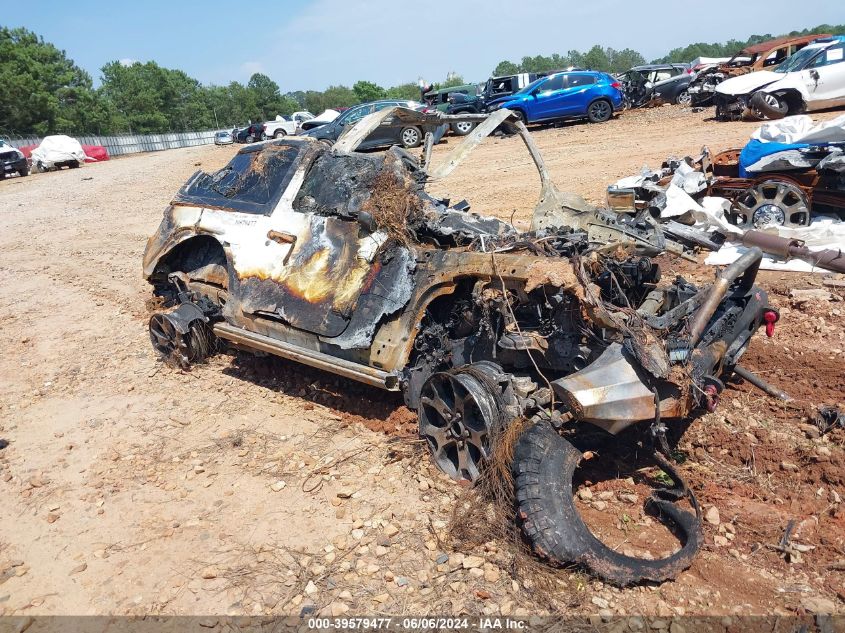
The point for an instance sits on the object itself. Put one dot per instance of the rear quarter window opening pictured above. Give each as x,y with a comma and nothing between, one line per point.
252,182
337,185
581,80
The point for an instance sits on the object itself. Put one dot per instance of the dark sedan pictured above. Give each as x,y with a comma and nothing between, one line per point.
249,134
389,133
12,161
669,82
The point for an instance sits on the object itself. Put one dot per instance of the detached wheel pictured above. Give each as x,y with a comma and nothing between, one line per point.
771,203
181,337
683,98
459,415
769,106
599,111
410,137
543,467
463,128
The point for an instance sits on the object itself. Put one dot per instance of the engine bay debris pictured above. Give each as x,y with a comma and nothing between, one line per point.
343,261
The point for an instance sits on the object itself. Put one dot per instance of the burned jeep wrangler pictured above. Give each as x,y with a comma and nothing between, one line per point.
342,261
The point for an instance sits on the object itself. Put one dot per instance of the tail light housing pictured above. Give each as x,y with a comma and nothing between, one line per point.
616,85
770,317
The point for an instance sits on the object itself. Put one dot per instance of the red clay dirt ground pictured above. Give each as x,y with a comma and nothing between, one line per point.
255,486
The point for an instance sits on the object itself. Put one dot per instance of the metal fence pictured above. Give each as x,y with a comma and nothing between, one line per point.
135,143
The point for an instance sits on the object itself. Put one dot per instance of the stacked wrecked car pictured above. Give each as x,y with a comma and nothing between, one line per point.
342,261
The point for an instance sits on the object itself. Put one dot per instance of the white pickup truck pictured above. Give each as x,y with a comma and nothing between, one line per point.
286,125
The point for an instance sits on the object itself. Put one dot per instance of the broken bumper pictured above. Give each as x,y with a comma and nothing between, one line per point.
730,106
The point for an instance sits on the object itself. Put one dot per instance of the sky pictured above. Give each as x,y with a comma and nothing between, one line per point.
311,44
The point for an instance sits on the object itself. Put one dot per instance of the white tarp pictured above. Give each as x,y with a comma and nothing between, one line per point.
802,129
824,232
57,149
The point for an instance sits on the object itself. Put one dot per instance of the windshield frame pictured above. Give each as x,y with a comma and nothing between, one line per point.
534,84
786,66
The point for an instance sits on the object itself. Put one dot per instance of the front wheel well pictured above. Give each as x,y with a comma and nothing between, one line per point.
794,100
199,257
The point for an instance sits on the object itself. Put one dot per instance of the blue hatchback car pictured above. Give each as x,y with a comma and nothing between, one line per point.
567,95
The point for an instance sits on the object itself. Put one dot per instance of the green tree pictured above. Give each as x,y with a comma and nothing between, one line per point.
297,96
268,99
368,91
731,47
314,101
505,68
596,59
409,91
338,97
41,90
452,79
623,60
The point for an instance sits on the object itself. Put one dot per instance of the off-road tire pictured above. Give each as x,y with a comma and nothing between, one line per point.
767,107
543,467
410,137
599,111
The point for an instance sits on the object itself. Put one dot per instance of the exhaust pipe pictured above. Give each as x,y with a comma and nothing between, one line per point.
747,266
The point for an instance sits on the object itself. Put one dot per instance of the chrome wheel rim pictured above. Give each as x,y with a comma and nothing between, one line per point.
410,136
771,203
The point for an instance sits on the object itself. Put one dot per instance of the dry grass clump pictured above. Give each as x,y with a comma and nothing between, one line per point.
394,205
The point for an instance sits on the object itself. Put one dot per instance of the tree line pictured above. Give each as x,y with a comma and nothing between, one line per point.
42,91
729,48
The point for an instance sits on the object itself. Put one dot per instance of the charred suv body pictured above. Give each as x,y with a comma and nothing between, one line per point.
342,261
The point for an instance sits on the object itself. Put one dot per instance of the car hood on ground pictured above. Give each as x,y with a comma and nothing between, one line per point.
743,84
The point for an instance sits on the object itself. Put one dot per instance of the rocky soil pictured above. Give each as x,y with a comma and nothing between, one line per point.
255,486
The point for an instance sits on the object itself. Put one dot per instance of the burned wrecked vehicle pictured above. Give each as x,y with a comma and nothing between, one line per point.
762,56
342,261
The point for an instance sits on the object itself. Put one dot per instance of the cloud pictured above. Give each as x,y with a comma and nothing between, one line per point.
127,61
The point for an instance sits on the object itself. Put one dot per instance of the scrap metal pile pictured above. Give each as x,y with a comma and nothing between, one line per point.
343,261
784,192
